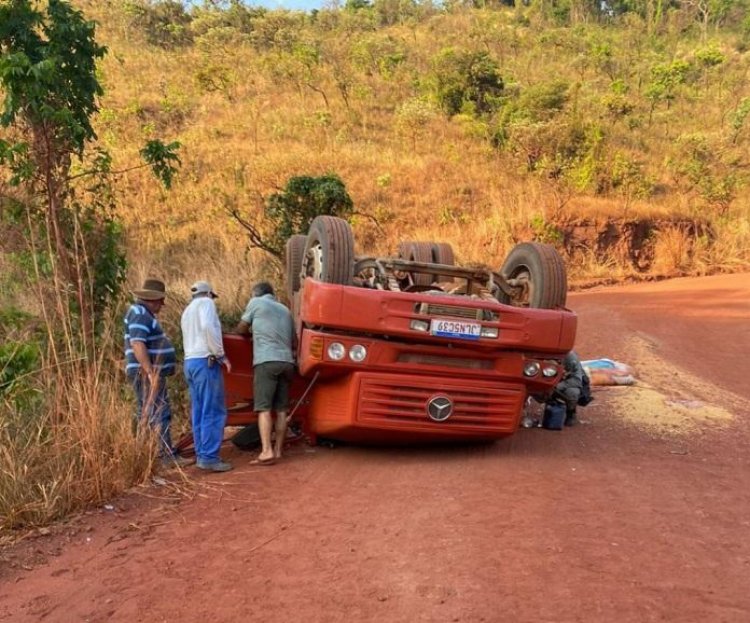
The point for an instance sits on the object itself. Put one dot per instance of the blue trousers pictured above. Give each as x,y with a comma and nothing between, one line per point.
158,413
209,413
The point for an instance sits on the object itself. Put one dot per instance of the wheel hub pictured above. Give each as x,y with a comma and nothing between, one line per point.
312,265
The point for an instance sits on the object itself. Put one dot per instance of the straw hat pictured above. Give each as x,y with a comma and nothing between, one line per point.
152,290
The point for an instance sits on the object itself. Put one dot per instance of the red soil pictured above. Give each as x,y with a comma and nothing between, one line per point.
601,522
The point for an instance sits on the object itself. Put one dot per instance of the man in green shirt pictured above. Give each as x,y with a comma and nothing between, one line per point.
272,328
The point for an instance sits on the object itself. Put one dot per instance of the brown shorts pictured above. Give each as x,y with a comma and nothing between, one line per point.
271,385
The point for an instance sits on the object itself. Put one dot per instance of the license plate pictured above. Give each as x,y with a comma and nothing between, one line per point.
455,328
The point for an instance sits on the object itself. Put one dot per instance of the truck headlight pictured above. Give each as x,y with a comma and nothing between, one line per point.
336,351
549,371
489,332
357,353
419,325
531,368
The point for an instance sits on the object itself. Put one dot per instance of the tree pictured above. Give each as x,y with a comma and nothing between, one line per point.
707,168
165,23
710,12
464,78
412,118
291,210
357,5
60,185
665,80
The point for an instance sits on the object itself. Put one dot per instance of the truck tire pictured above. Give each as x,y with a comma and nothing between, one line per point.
403,249
421,252
294,251
442,253
541,271
329,251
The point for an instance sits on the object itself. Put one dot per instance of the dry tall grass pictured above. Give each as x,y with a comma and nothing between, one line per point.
75,449
66,428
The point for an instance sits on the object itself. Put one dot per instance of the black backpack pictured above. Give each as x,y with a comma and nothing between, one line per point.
586,396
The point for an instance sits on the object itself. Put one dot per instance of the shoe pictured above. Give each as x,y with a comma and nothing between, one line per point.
170,462
214,466
571,420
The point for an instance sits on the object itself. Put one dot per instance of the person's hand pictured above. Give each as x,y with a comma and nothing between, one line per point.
228,364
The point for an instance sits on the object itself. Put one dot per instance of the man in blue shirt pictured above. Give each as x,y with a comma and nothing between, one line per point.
149,359
272,328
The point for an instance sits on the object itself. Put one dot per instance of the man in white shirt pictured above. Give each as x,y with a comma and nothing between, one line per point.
204,356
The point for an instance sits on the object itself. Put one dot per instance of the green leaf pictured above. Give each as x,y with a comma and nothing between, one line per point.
162,159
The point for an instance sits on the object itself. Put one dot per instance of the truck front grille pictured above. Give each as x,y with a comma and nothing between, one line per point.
388,399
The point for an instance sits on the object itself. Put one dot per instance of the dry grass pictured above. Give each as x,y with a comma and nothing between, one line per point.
66,436
76,448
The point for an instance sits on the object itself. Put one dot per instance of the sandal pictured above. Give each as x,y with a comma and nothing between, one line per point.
270,461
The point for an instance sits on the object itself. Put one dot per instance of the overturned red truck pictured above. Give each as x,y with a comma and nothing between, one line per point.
413,348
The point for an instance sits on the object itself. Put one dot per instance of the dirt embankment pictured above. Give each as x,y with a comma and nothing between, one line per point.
605,250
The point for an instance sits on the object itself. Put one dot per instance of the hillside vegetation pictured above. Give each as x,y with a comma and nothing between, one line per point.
479,127
617,131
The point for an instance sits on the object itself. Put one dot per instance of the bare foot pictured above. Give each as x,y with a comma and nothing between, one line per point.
266,456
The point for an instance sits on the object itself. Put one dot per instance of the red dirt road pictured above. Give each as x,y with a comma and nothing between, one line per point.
608,521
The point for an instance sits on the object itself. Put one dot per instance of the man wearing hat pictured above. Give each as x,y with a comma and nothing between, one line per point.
204,356
149,360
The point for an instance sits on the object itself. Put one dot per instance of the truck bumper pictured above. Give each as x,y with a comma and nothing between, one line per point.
382,407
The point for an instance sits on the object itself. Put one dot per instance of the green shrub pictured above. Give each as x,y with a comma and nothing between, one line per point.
464,78
164,23
303,198
17,361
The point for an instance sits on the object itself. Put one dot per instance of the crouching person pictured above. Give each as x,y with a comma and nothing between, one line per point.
204,357
569,389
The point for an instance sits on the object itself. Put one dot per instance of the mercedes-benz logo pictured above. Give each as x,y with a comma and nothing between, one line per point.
439,408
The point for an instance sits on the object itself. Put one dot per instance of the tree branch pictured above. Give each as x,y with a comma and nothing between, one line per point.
95,171
372,218
256,238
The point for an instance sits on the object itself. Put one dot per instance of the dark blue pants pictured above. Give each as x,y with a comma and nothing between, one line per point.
209,413
568,391
158,414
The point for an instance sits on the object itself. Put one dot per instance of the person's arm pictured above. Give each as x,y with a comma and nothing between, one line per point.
141,356
211,326
294,336
138,332
245,325
243,328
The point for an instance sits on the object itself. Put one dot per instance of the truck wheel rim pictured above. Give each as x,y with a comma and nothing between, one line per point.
313,263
